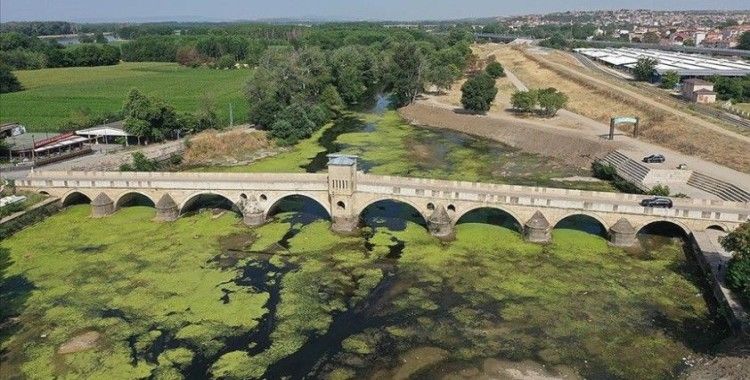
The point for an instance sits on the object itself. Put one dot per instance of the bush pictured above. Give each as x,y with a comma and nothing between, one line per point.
669,80
8,81
550,100
524,101
478,93
603,170
659,190
495,70
738,271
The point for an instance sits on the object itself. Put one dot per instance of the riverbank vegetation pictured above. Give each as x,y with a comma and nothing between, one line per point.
205,296
738,271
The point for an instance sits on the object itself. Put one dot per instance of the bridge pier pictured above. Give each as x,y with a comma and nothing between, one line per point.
622,234
440,224
102,206
166,209
252,212
537,229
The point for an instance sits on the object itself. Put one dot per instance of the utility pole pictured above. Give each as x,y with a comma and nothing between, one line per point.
231,116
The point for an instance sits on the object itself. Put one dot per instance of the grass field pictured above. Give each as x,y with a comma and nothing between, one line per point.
743,106
51,95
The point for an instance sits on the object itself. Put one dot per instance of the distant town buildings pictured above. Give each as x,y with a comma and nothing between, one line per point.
714,29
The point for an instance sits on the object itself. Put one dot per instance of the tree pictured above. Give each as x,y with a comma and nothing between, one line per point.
644,69
331,99
442,76
524,101
651,38
744,41
738,270
669,79
100,38
550,100
406,71
478,92
495,70
141,163
8,80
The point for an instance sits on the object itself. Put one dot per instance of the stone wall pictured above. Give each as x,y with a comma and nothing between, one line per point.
15,222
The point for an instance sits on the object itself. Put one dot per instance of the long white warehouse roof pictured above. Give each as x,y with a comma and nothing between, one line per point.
684,64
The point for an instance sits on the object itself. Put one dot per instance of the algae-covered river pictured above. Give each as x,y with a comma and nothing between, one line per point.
205,296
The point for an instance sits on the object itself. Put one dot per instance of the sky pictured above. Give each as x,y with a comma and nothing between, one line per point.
395,10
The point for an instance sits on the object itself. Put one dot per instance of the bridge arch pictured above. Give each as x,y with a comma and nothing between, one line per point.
75,197
675,223
125,199
517,220
417,211
274,203
570,217
719,227
221,201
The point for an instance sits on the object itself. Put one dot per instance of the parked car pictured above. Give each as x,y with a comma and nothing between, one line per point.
654,159
661,202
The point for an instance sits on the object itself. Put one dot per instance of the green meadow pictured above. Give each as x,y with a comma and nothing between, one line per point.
51,96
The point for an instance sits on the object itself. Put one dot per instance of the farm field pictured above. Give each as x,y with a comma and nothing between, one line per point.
52,95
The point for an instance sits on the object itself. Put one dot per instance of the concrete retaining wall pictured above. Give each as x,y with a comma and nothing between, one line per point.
714,259
15,222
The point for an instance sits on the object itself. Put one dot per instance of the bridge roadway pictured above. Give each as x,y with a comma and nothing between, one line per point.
345,193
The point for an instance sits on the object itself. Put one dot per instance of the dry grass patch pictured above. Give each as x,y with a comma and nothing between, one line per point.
600,104
230,147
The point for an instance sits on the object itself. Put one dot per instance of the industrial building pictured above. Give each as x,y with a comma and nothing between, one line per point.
686,65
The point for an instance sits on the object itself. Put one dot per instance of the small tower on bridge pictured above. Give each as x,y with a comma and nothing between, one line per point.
342,182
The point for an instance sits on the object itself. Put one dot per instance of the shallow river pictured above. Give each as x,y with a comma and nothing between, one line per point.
125,297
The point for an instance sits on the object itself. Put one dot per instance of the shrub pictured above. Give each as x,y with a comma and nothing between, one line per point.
660,190
738,271
603,170
523,101
8,81
495,70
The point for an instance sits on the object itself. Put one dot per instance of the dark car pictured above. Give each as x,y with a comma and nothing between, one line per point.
661,202
654,159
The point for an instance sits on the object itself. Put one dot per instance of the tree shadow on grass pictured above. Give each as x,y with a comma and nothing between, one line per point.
14,292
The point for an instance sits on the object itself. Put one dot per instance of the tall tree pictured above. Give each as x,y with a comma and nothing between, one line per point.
644,69
407,66
738,272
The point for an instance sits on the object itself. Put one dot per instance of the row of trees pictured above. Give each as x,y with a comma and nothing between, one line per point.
22,52
736,89
545,102
152,119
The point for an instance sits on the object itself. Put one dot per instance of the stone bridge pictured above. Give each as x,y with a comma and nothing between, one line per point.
345,193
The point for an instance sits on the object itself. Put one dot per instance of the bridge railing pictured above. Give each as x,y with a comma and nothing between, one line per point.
463,186
177,176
